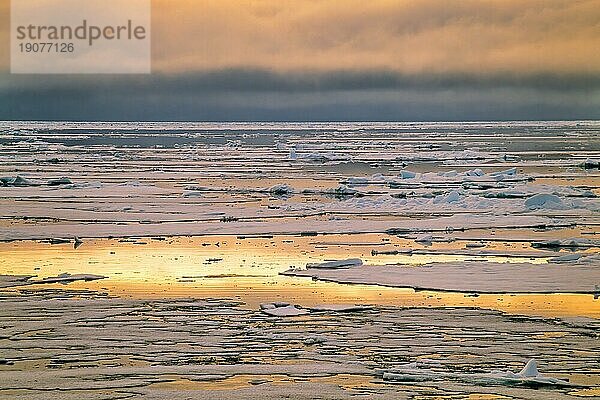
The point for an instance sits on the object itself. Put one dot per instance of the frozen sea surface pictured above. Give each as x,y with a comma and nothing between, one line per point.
191,225
123,179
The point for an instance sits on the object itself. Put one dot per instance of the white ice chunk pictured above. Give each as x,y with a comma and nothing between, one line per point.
357,181
280,310
451,197
292,155
508,172
424,239
530,369
414,372
466,276
475,172
544,201
407,174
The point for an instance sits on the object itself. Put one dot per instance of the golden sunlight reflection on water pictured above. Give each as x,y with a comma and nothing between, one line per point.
248,269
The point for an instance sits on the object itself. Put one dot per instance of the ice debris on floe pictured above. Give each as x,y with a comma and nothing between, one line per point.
426,240
499,175
566,258
449,198
15,181
510,157
59,181
474,245
579,258
314,340
568,243
317,157
293,155
475,172
342,191
255,382
282,309
528,376
131,184
84,185
193,193
465,276
24,280
14,280
351,262
474,175
281,190
591,163
361,180
341,308
357,181
68,278
544,201
407,175
58,241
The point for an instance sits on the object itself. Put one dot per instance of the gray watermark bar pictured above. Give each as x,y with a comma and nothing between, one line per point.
80,36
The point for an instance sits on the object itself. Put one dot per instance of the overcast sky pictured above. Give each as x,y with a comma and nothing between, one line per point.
338,60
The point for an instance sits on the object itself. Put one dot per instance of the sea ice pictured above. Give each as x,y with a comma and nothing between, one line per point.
68,278
567,243
292,156
407,174
544,201
281,190
351,262
282,310
475,172
449,198
339,308
499,175
424,239
77,242
467,276
24,280
591,163
528,376
342,191
14,280
357,181
579,258
59,181
15,181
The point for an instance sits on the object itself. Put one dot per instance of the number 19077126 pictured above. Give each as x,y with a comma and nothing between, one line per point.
46,47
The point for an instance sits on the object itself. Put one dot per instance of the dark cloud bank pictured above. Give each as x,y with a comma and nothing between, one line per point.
236,95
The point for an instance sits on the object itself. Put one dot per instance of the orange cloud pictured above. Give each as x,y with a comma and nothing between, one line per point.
408,36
